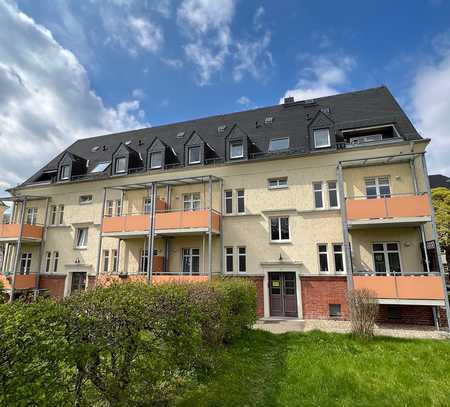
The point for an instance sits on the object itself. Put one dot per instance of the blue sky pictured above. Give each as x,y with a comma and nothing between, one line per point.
72,69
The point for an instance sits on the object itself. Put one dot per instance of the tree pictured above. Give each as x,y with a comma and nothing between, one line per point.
441,203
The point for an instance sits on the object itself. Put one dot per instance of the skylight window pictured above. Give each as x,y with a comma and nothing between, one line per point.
221,129
100,167
268,120
128,142
277,144
95,148
180,134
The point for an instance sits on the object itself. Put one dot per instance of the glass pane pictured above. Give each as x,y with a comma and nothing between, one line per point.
318,199
195,265
380,263
337,247
279,144
274,229
186,265
194,155
195,252
333,198
392,246
377,247
371,192
322,138
229,263
322,248
156,160
100,167
120,164
242,263
323,262
338,262
394,263
385,191
284,228
240,202
236,150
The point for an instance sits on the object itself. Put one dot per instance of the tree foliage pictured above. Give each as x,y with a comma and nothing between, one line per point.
441,204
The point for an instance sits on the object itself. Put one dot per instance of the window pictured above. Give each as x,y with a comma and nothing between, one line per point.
100,167
229,259
242,259
278,183
81,238
332,194
335,310
191,202
85,199
279,229
55,261
120,165
241,201
109,208
48,261
191,261
377,187
318,196
394,313
338,258
144,261
277,144
236,149
25,263
156,159
65,172
78,282
322,138
147,205
31,216
323,257
105,261
228,201
114,260
56,215
61,214
194,155
53,212
118,211
386,258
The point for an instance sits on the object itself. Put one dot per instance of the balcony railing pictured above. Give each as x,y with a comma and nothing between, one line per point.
394,206
165,221
413,286
12,231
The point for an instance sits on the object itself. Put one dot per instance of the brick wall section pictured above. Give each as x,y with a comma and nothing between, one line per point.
318,292
55,285
412,314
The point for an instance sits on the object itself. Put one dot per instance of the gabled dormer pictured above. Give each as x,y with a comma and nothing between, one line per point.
156,155
70,166
236,144
321,131
125,159
194,150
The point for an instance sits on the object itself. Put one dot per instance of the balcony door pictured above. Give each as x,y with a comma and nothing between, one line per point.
386,258
191,261
78,282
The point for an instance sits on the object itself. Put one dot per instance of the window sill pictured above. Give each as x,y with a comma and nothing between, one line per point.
280,242
80,248
276,188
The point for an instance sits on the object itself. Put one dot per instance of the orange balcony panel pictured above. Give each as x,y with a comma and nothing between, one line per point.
395,207
12,231
24,281
402,287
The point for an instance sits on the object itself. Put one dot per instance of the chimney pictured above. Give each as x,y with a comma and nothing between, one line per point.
289,99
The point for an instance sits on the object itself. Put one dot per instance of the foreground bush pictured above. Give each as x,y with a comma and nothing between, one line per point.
363,312
118,345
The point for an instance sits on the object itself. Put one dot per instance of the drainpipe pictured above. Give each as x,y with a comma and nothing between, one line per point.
435,237
18,247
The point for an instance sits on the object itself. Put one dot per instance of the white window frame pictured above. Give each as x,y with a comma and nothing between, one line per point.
314,184
341,252
83,244
239,255
65,177
31,216
386,252
240,196
105,260
143,261
191,199
229,255
48,262
190,255
316,133
114,259
25,263
271,149
377,185
280,240
116,161
56,215
335,189
190,161
277,183
236,143
118,207
147,205
228,196
109,209
328,257
61,214
55,261
154,167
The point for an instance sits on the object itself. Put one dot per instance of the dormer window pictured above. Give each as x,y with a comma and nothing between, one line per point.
65,172
156,159
236,149
194,155
321,138
120,165
277,144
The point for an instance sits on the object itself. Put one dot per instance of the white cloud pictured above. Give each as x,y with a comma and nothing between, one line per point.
146,34
257,17
206,24
138,93
325,75
243,100
46,101
430,95
252,57
174,63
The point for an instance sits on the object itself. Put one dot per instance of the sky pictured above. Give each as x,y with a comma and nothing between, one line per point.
81,68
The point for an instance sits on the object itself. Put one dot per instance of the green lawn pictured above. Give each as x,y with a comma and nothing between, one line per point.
319,369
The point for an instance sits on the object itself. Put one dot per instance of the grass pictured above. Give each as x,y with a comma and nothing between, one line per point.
320,369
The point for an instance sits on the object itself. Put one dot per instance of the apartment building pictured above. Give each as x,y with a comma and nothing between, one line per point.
308,199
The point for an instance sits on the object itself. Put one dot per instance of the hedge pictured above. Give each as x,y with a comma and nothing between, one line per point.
123,344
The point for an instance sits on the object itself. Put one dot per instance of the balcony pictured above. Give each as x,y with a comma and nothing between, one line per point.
413,289
166,223
399,210
11,232
23,281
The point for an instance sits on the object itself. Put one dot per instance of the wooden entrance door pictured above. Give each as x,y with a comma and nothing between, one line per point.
283,295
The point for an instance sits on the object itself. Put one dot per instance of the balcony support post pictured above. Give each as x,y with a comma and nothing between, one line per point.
42,246
119,241
100,235
18,248
346,237
209,227
151,233
436,239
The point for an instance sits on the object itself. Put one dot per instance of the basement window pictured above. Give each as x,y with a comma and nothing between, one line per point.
335,310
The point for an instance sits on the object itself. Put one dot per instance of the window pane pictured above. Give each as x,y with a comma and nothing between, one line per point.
318,199
156,160
194,154
321,138
120,164
322,248
240,202
338,262
394,263
392,246
236,150
228,201
65,172
385,191
229,259
371,191
323,262
274,229
279,144
333,198
378,247
100,167
284,228
380,263
195,264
